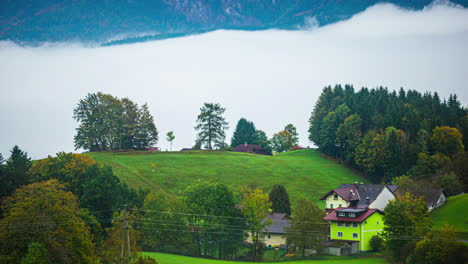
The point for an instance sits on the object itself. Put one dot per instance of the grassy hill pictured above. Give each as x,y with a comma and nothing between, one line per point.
452,212
303,172
175,259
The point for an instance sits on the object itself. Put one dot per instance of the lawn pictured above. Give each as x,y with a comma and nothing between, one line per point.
175,259
452,212
303,172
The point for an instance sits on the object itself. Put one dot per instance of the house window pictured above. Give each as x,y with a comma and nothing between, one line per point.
339,205
341,214
340,234
340,224
335,197
354,224
347,224
377,223
352,214
331,206
269,236
355,235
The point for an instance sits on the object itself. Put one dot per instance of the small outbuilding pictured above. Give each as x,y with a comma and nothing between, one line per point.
248,148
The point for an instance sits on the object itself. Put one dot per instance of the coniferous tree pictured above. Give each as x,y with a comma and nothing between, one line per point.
280,200
16,171
147,134
211,126
244,133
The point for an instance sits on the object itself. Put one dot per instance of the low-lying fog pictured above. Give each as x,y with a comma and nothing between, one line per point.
269,77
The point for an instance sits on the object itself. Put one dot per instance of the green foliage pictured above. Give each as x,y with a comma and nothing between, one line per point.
406,219
112,249
166,225
447,140
211,126
103,192
377,243
348,135
15,173
214,236
383,132
256,206
282,141
109,123
37,254
294,135
262,140
244,133
440,246
307,230
45,213
280,200
232,169
170,137
145,260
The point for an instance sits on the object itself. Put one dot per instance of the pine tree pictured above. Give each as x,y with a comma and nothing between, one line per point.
244,133
211,126
280,200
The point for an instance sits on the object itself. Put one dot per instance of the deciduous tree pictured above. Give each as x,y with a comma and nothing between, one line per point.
46,213
256,206
307,230
447,140
406,220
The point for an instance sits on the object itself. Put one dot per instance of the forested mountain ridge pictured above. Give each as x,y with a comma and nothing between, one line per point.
27,21
387,134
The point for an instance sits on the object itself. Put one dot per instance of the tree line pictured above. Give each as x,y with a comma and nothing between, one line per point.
386,134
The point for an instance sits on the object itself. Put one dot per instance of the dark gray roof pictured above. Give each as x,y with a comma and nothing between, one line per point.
279,222
431,196
351,210
365,191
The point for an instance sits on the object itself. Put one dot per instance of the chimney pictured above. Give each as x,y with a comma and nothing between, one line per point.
367,200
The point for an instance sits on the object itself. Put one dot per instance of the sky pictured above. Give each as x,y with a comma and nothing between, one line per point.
270,77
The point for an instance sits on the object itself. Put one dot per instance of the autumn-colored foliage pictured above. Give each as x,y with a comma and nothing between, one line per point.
46,213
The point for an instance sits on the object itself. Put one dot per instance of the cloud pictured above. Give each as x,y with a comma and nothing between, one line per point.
270,77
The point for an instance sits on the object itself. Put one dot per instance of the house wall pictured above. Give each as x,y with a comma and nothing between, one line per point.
371,226
366,230
347,231
382,199
335,202
274,240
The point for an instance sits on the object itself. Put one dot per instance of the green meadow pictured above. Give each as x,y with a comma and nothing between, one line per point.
453,212
162,258
304,173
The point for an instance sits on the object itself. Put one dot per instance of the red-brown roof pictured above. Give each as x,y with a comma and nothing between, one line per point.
348,194
333,217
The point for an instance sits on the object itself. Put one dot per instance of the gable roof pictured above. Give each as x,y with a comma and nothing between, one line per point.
364,194
332,216
279,222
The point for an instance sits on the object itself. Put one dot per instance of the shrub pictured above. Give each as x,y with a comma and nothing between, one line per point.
377,243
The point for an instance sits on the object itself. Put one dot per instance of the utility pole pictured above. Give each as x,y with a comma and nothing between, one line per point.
125,229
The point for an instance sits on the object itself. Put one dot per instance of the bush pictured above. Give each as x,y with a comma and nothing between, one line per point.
145,260
377,243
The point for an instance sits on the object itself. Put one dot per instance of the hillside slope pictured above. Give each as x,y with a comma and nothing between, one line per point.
303,172
453,213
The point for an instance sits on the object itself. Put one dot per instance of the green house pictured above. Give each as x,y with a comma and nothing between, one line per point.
356,226
355,215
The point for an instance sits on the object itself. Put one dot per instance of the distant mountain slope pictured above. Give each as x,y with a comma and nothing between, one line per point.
303,172
33,21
